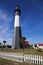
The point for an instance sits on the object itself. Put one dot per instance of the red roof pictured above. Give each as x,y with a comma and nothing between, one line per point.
40,44
26,42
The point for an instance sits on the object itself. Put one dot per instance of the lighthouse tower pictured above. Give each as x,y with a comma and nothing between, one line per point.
17,30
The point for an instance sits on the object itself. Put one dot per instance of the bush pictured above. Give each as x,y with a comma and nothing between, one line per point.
3,46
39,49
8,46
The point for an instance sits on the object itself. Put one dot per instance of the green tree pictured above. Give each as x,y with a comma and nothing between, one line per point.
23,40
4,42
0,42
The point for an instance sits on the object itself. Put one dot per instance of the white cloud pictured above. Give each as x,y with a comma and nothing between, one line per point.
1,40
9,41
6,17
5,20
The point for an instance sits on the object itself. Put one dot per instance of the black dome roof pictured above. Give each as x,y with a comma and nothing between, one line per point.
17,9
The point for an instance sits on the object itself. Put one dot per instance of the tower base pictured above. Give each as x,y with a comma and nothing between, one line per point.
17,38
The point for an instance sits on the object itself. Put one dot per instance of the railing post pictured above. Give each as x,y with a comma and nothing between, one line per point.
41,60
33,59
37,59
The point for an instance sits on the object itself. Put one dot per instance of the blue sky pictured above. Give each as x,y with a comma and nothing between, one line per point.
31,20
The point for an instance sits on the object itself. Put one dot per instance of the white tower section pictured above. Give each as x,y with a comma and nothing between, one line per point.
17,21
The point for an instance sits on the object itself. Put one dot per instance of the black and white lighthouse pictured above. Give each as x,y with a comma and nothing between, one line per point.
17,30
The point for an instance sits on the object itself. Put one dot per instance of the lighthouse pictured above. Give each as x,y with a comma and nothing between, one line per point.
17,30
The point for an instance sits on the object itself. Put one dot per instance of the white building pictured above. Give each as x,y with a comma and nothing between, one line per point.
37,46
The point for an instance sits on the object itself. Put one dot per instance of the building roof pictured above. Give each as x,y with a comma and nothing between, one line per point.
26,43
40,44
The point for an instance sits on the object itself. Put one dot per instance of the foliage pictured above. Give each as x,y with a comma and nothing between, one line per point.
23,39
8,46
39,49
0,42
31,46
4,41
